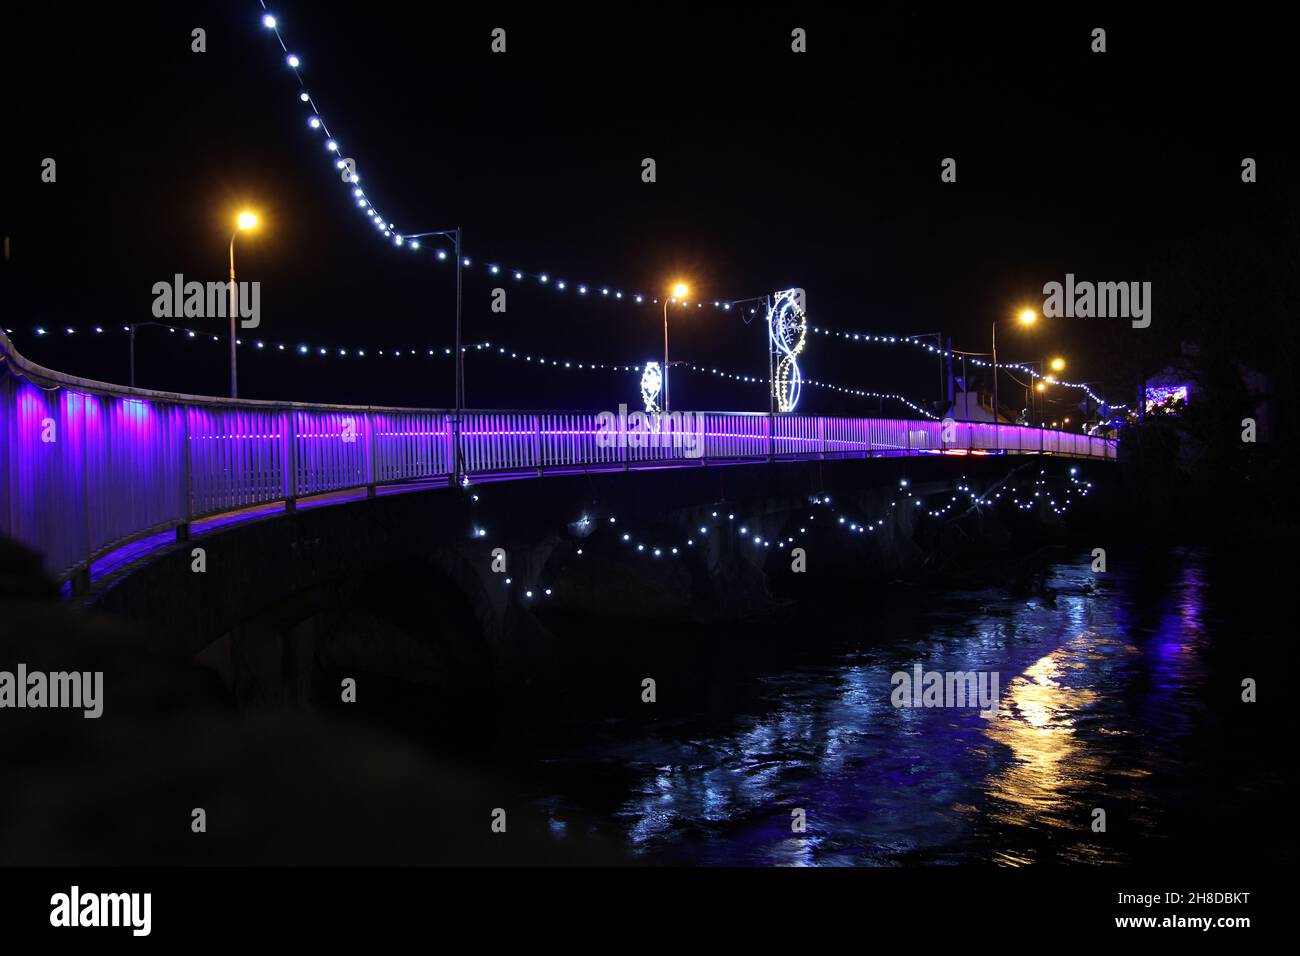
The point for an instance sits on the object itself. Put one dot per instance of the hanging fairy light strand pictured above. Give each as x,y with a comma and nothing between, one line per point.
318,350
841,389
722,522
410,241
919,342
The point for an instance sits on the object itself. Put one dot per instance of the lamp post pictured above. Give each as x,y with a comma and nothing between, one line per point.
245,220
680,291
938,347
455,236
131,337
1026,317
1033,369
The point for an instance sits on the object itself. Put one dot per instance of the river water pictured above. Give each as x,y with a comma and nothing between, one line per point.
1112,696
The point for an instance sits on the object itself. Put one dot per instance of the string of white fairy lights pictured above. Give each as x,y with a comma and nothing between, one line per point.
841,389
318,350
409,240
721,520
919,341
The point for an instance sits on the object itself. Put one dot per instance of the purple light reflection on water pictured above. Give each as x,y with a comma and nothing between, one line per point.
1102,692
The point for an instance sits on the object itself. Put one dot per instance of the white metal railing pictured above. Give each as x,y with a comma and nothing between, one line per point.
86,467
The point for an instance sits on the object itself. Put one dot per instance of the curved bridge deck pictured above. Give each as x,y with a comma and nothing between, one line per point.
94,475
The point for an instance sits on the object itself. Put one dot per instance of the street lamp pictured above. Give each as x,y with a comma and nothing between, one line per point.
456,237
131,340
243,222
680,291
1026,317
1058,365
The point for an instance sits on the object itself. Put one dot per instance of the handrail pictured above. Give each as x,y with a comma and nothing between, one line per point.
87,466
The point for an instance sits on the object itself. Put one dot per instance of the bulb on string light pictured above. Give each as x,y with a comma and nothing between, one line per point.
268,21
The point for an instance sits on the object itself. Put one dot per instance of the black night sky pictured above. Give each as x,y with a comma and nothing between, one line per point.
774,170
354,636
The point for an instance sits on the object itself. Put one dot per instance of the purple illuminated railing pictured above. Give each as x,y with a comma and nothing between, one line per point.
87,467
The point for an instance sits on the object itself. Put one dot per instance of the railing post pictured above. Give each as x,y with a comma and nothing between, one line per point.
291,464
622,441
370,454
821,435
537,443
455,419
6,405
187,500
83,577
449,432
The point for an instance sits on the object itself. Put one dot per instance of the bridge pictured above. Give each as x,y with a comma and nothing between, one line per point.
95,475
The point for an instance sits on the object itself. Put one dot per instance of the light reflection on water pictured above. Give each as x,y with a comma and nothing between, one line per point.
1096,691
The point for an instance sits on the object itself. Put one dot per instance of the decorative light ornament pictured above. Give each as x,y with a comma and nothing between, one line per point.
652,381
787,329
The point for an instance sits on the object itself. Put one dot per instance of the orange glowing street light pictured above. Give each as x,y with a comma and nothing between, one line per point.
1058,364
1025,317
245,221
680,291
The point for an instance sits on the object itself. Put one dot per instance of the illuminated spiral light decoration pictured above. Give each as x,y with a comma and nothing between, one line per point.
652,380
787,327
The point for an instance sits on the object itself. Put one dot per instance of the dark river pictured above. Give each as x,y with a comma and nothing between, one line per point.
1111,698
